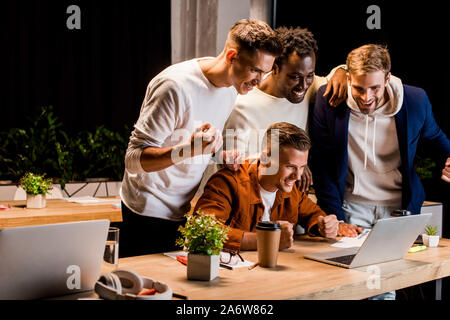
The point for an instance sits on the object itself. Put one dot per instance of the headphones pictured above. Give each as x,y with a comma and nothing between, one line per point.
126,285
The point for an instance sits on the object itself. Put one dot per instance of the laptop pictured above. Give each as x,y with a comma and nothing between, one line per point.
51,260
389,240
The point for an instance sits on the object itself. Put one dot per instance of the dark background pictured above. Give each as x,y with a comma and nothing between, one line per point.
93,76
417,35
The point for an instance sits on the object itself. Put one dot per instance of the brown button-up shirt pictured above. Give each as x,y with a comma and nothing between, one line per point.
234,198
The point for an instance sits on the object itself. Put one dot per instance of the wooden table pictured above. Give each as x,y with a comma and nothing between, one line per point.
57,211
296,277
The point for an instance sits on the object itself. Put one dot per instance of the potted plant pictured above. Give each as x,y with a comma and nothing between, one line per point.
36,187
202,237
430,237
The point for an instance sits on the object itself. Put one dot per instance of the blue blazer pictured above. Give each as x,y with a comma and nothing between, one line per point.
329,157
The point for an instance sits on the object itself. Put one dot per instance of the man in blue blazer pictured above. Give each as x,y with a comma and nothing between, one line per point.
363,150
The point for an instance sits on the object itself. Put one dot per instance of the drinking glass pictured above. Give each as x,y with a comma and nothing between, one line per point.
111,254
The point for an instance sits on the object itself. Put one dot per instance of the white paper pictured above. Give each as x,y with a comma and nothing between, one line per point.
348,242
90,200
174,255
234,263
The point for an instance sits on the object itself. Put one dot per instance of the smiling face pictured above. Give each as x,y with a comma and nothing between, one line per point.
291,163
294,77
369,90
248,69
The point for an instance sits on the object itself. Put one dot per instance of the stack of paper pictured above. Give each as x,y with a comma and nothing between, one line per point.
91,200
348,242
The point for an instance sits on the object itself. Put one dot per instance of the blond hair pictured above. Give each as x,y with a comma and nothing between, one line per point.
369,58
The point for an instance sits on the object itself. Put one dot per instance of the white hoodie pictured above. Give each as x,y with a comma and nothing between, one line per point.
373,175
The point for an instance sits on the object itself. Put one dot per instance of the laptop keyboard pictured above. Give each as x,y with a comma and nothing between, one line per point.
343,259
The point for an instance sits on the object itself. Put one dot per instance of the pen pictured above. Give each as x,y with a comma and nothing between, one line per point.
362,234
226,266
179,296
253,266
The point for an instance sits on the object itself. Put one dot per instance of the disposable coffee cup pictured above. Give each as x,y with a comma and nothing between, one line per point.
268,243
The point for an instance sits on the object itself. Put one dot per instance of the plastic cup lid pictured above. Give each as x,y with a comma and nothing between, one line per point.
268,225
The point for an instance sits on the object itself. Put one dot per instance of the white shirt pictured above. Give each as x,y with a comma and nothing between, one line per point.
177,100
257,110
268,198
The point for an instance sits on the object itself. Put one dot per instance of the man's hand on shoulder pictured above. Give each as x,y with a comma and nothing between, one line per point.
307,180
337,85
231,159
446,171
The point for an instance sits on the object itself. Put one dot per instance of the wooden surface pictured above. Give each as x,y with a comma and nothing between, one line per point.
296,277
431,203
57,211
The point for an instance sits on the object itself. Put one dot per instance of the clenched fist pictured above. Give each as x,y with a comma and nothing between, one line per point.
206,139
328,226
287,234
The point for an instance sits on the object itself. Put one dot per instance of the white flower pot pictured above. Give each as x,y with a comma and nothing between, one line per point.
430,241
36,201
202,267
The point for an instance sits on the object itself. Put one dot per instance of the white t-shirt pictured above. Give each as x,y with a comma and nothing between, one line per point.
268,198
177,100
256,111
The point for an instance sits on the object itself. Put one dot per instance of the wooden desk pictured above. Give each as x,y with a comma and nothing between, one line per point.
296,277
57,211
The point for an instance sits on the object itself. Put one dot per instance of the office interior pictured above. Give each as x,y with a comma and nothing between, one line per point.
97,74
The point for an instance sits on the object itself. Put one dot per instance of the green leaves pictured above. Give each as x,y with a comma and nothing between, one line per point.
431,230
203,234
35,184
45,147
424,167
98,154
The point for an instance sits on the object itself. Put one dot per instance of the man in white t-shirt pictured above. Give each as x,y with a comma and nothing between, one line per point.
284,96
179,128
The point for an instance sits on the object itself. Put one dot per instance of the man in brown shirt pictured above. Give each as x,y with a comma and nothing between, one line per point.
265,189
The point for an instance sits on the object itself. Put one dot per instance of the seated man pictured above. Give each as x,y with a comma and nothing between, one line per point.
265,190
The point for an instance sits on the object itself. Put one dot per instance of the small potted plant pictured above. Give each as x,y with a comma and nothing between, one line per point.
430,237
202,237
36,187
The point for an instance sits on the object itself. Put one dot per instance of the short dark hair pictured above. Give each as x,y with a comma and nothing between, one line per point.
296,40
289,135
251,35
